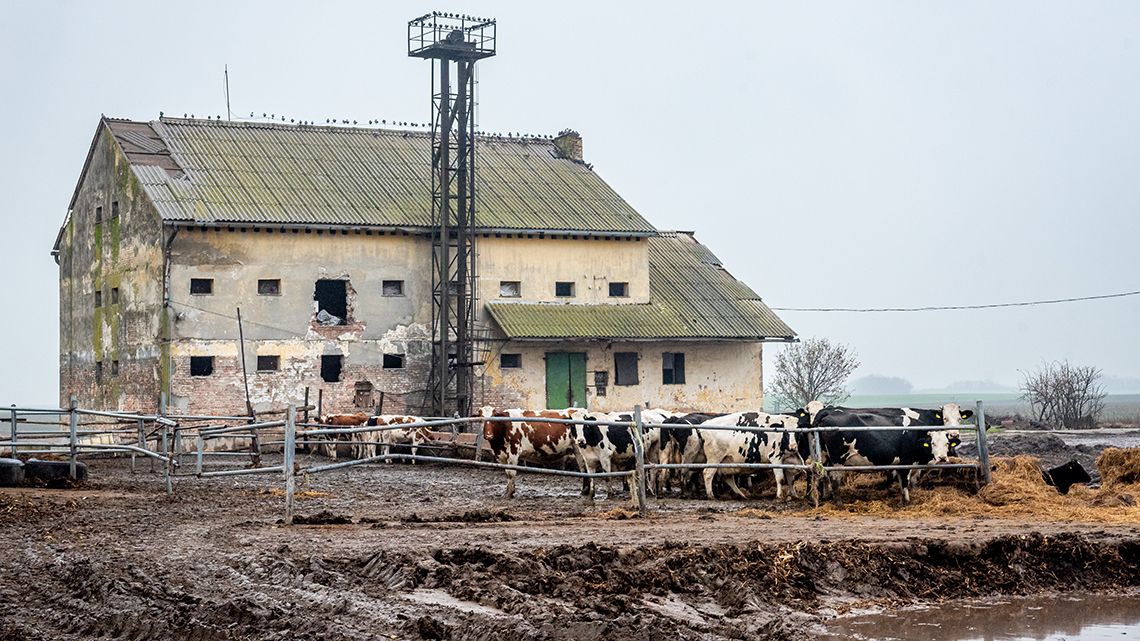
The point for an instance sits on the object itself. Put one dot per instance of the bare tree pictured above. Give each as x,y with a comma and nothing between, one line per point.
814,369
1064,395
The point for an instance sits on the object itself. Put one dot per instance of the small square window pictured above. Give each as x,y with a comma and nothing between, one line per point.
625,368
510,289
268,363
114,368
672,368
98,215
393,288
619,290
564,289
201,365
98,298
510,361
201,286
114,209
114,295
269,286
393,361
98,372
330,367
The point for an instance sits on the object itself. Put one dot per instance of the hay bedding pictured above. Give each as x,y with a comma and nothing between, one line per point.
1017,490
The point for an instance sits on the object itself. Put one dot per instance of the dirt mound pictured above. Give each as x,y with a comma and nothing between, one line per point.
1050,448
471,516
324,517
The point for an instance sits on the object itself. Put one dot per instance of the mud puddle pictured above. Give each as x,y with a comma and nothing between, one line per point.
1044,618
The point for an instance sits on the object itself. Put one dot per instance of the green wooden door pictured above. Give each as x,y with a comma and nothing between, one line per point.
565,379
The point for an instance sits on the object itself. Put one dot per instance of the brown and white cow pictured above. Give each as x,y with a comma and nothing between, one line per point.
531,440
413,436
329,441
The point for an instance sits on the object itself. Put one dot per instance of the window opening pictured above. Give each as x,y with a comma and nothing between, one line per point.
363,397
201,365
114,209
619,290
392,287
510,289
114,295
393,361
98,372
673,368
625,368
201,286
269,363
98,298
331,298
563,289
269,286
510,361
114,368
330,367
98,215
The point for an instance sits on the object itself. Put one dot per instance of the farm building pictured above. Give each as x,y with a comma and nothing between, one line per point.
320,235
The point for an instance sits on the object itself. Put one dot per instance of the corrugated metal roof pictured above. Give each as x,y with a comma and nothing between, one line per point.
691,295
245,172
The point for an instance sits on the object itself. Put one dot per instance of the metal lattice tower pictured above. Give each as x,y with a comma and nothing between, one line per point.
453,43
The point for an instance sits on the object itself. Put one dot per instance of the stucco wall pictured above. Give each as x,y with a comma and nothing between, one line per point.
723,377
124,253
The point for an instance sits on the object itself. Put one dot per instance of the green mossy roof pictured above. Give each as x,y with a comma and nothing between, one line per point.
225,172
691,296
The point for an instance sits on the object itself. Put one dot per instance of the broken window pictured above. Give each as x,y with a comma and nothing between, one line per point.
392,288
509,361
330,367
563,289
98,215
114,209
625,368
114,368
270,363
269,286
619,290
331,298
114,295
98,372
510,289
201,286
673,368
201,365
363,397
98,298
393,361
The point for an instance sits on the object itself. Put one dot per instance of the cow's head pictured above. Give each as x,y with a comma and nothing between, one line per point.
939,444
486,411
807,413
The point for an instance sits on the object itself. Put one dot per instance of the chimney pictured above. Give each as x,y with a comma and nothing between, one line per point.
569,144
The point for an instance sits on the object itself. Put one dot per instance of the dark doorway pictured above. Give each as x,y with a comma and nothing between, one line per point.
330,367
332,297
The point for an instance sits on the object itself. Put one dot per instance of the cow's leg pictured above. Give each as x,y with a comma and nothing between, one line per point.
709,475
904,485
510,460
779,476
730,479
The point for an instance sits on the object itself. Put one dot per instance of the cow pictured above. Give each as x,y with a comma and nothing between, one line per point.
530,440
601,446
413,436
328,442
1065,476
679,445
738,446
888,447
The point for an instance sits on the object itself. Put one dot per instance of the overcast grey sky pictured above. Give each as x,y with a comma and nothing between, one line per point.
831,153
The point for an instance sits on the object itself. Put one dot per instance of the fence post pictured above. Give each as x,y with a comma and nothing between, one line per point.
140,441
983,446
816,477
639,453
287,464
73,432
200,445
166,463
12,430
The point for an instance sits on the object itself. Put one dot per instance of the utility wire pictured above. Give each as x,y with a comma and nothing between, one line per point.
936,308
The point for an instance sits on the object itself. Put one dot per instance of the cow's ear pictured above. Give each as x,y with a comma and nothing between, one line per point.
967,414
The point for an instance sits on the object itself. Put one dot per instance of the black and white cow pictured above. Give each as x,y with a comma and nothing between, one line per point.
888,447
680,445
604,447
734,446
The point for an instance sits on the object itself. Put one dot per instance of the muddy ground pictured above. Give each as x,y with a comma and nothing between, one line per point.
403,552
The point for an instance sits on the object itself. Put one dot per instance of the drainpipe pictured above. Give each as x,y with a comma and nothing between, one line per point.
164,394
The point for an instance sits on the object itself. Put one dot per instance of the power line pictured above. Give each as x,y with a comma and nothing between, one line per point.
937,308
